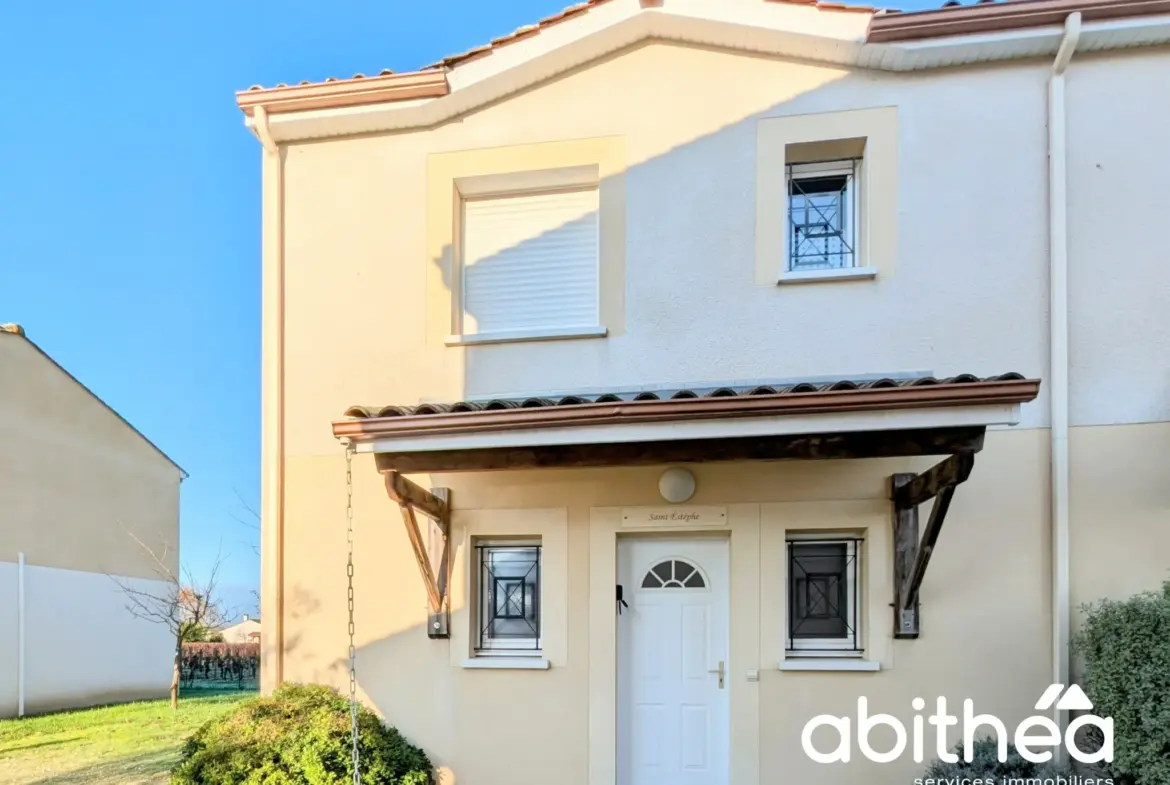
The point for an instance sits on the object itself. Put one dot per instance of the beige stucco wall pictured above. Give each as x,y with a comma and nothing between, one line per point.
75,478
75,482
963,288
241,632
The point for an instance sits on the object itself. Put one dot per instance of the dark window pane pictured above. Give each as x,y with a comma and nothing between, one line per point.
834,183
664,571
818,587
673,574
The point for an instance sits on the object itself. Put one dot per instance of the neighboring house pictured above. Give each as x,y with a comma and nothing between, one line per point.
78,486
247,630
824,259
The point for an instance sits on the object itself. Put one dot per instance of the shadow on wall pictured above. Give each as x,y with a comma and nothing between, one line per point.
690,234
299,607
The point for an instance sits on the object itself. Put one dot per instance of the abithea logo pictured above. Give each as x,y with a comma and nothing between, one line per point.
1031,736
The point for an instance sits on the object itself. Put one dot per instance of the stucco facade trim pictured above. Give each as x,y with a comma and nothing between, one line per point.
711,428
551,526
877,230
769,29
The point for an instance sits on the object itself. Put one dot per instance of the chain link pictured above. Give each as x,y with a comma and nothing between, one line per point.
353,703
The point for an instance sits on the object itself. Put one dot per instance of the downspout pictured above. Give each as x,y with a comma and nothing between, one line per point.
272,422
20,653
1058,351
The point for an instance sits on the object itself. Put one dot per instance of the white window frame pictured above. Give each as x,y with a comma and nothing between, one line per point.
852,645
520,184
484,646
853,221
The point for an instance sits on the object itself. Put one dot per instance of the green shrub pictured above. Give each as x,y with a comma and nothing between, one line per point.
986,766
1125,645
299,735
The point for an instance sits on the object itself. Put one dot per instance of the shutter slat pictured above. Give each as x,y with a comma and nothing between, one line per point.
530,261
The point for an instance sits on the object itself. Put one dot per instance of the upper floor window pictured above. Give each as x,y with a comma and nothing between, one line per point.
822,216
530,264
824,603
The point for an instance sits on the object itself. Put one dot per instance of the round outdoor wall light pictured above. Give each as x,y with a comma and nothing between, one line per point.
676,485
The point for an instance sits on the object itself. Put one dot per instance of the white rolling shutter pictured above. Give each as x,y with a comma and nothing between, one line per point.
530,262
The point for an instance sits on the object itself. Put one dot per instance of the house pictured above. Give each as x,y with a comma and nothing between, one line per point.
696,368
89,510
246,630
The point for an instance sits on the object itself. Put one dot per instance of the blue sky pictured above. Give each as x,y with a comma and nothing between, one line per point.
130,207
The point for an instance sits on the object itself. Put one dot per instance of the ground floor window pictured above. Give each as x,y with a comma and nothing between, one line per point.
824,582
509,597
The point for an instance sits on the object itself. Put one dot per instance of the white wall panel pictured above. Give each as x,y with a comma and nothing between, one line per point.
82,645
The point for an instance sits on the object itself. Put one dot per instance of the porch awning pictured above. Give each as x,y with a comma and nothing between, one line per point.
841,419
807,420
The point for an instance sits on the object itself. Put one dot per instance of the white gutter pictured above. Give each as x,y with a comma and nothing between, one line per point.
20,614
1058,350
272,394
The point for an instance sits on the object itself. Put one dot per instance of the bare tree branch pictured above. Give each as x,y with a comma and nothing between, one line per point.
182,603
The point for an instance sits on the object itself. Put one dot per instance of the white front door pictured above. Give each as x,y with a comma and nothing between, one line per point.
673,669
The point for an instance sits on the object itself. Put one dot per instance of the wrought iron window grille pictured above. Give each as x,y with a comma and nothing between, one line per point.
509,598
824,596
822,215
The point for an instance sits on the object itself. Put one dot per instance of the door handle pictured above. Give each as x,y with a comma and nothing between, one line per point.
720,671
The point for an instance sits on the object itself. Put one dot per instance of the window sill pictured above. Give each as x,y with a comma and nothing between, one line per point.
507,663
830,664
815,276
542,334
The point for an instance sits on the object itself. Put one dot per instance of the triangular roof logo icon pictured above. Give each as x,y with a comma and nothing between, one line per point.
1074,700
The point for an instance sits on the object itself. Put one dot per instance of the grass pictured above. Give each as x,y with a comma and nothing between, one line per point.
126,744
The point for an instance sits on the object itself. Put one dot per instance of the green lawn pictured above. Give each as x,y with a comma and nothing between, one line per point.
110,745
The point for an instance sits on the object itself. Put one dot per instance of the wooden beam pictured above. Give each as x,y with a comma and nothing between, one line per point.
938,512
905,552
439,624
420,554
930,483
911,554
867,444
404,491
436,504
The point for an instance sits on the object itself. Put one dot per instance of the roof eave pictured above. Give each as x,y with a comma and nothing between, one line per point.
425,99
1002,17
345,93
987,393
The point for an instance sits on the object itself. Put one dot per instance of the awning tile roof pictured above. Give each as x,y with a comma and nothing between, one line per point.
727,391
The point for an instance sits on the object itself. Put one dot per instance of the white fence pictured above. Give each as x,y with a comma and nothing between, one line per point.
67,640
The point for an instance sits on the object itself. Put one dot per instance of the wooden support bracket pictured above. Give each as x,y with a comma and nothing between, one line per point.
911,552
435,504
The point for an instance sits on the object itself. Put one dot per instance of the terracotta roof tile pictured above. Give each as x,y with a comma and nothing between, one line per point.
726,391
